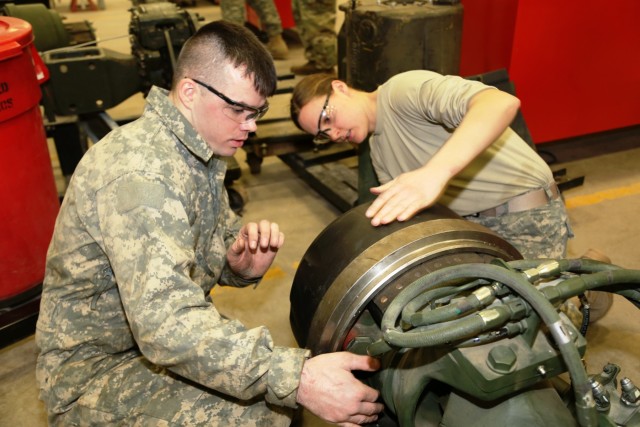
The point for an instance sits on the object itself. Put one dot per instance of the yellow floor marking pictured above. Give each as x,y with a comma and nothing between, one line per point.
274,272
601,196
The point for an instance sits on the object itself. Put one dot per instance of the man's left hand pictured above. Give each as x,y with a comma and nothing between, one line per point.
255,248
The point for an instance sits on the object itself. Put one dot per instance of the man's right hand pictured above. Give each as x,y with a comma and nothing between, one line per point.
329,389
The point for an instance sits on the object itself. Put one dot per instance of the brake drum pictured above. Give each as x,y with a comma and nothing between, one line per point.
352,268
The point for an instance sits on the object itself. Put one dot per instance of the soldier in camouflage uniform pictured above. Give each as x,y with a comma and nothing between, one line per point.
446,139
127,332
235,11
316,22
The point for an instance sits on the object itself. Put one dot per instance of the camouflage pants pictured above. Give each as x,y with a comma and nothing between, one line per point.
138,393
537,233
316,22
234,11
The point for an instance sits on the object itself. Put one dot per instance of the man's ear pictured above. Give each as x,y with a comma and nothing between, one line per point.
185,93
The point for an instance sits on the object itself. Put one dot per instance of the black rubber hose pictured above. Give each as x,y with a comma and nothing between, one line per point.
585,405
410,310
578,265
585,309
452,331
586,265
445,313
633,295
601,280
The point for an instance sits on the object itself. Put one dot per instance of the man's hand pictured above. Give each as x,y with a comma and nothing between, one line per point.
255,248
329,389
405,196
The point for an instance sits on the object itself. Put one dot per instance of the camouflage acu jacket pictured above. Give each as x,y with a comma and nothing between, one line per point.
139,242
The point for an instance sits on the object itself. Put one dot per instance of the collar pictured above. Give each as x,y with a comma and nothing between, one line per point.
158,101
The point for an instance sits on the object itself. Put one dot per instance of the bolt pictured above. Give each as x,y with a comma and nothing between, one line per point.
541,370
630,393
502,359
600,395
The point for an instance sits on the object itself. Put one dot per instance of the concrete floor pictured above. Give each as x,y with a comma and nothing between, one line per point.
603,213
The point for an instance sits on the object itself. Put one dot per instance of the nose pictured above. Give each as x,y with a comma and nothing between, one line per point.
330,133
336,135
249,125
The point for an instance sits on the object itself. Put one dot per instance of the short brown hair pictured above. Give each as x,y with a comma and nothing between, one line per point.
307,89
217,43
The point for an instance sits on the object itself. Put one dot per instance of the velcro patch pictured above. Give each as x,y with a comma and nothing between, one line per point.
134,194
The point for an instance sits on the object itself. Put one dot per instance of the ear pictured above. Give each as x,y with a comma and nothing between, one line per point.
185,93
340,86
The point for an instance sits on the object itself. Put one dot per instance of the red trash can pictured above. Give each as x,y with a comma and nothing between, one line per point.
27,188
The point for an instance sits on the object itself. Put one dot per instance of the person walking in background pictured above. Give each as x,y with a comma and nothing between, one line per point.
316,22
235,11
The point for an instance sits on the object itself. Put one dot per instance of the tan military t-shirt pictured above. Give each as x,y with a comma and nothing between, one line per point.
417,112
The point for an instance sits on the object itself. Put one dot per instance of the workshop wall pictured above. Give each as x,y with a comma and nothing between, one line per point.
575,64
487,35
582,55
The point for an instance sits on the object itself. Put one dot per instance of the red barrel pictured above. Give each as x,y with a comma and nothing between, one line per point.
27,187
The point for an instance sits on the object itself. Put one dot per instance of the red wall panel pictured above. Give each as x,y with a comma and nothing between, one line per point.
576,66
487,35
575,63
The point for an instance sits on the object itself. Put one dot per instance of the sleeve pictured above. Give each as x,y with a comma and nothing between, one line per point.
437,98
229,278
230,225
284,375
147,236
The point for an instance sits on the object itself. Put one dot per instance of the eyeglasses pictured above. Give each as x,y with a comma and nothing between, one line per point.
322,137
237,111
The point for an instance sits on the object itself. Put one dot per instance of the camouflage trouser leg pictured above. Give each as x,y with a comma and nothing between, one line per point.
268,14
537,233
138,393
233,11
316,22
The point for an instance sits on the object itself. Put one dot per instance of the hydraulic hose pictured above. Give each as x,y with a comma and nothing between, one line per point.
608,278
578,265
429,284
585,405
507,331
448,312
411,309
458,329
